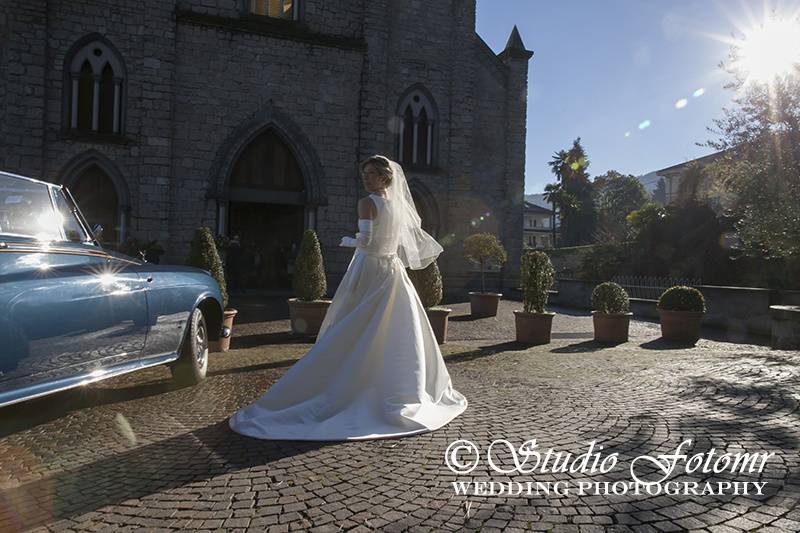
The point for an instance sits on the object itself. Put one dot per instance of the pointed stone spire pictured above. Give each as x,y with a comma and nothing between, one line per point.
515,47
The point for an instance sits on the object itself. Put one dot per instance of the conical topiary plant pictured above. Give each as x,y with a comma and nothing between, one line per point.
203,254
308,279
536,275
428,282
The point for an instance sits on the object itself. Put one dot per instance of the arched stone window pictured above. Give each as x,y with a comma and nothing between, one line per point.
94,88
416,138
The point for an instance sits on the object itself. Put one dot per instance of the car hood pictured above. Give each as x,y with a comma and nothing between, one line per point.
152,267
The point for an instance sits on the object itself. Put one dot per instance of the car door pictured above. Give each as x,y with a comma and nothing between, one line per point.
67,307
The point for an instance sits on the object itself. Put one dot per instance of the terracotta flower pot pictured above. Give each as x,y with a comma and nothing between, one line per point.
611,328
224,343
680,326
437,316
533,328
484,304
307,317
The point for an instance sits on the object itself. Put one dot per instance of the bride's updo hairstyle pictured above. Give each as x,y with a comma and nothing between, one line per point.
382,164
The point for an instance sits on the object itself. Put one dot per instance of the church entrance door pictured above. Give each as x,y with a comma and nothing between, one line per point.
265,216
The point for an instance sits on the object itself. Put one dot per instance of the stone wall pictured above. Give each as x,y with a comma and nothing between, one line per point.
203,77
737,310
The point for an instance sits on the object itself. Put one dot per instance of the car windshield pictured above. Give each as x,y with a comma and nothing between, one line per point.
73,230
26,210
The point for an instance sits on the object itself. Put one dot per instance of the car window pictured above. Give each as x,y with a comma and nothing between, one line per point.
73,230
26,210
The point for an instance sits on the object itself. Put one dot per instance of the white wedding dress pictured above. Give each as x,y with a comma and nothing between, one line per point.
376,369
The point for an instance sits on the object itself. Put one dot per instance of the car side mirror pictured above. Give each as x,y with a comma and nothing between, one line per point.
98,232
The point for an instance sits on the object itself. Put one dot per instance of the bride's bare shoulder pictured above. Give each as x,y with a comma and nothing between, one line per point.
367,208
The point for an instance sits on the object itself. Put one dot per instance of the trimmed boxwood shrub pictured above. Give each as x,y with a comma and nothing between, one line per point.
536,277
308,278
428,282
203,254
610,298
682,298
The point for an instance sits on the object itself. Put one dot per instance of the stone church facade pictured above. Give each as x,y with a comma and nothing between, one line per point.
250,117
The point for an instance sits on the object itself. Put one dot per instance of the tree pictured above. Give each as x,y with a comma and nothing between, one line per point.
679,240
760,135
308,279
643,219
483,248
572,194
554,194
203,254
660,194
615,196
693,186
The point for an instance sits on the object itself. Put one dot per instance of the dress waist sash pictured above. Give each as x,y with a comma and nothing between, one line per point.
384,255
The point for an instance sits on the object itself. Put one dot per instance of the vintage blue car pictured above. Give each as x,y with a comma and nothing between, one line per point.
72,312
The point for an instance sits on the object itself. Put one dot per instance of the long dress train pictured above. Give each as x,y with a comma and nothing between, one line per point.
375,370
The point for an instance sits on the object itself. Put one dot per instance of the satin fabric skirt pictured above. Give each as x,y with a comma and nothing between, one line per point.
375,371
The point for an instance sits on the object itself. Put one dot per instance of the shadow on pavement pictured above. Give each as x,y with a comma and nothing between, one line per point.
32,413
485,351
262,339
285,363
661,344
466,318
583,347
199,455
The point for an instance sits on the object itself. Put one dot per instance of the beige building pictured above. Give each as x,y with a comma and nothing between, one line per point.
674,175
537,231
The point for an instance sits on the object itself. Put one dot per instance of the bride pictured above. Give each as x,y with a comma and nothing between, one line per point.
375,370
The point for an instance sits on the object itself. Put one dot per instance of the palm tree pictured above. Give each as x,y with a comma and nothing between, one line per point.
572,193
556,196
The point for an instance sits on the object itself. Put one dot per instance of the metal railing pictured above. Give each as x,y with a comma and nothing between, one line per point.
650,288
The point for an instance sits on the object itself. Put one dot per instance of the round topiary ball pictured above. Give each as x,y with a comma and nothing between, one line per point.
610,298
682,298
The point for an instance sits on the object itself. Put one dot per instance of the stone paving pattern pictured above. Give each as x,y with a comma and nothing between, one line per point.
135,452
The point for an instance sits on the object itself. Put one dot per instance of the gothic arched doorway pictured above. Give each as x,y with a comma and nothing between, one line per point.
266,210
101,193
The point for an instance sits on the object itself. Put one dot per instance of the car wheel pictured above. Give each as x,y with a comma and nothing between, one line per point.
191,366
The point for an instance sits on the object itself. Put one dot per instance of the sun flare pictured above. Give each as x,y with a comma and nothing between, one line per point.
769,51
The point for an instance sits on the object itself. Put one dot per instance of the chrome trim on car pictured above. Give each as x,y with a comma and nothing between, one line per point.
42,389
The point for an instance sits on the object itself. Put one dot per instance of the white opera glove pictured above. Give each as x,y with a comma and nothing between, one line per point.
348,242
364,235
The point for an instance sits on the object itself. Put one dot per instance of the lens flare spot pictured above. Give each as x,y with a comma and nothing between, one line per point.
125,428
680,104
643,125
698,93
393,124
627,134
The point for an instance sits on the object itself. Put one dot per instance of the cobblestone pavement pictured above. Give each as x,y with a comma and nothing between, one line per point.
134,452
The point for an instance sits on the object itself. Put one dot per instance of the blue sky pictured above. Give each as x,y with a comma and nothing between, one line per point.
603,67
